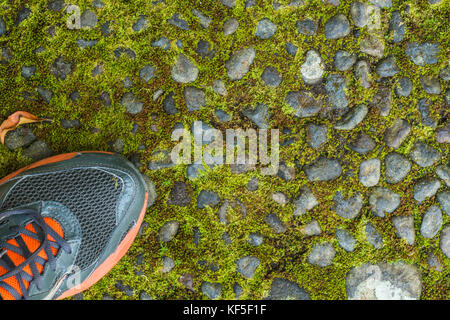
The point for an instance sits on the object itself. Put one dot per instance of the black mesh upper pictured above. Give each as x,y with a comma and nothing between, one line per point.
91,194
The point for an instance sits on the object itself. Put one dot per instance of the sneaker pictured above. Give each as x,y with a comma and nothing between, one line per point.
65,222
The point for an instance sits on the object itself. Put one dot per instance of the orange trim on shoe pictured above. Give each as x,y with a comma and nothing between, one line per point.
58,158
112,260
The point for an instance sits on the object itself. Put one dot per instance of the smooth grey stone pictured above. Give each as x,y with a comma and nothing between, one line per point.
313,68
222,115
219,87
443,198
337,27
285,172
162,43
166,162
373,236
352,118
369,172
258,115
372,45
323,169
255,239
252,184
291,49
345,239
443,134
424,109
271,77
426,188
347,208
168,231
335,87
88,19
207,198
56,5
317,135
229,3
204,49
362,73
387,67
19,138
362,143
184,71
38,150
247,266
265,29
305,201
105,98
397,27
404,227
304,103
45,93
383,200
275,223
60,68
307,27
430,84
178,22
423,53
382,100
433,262
403,87
230,26
204,20
131,103
424,155
396,166
431,223
147,72
396,133
211,290
124,51
28,71
283,289
382,3
322,255
22,15
168,264
194,97
140,24
443,172
312,229
237,289
70,124
444,74
169,104
384,281
444,242
239,63
344,60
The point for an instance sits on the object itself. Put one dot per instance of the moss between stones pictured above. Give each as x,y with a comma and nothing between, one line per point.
281,255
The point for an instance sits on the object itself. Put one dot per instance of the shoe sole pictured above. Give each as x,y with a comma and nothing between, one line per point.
121,249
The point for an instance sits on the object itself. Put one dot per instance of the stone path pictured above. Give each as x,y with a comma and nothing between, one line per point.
359,207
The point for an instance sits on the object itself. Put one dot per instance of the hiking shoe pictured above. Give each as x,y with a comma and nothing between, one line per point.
65,222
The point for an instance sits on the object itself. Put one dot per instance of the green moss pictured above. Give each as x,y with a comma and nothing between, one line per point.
281,255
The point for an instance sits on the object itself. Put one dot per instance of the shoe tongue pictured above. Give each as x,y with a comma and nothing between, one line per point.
10,224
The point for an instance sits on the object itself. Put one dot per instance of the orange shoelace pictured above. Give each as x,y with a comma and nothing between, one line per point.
22,258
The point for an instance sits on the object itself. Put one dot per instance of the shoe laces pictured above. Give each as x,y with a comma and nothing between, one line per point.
19,264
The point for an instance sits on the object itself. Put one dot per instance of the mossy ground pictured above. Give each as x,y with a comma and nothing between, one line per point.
281,255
